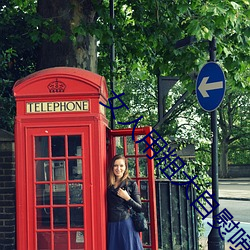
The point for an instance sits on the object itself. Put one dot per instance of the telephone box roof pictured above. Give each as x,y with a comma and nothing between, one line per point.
90,82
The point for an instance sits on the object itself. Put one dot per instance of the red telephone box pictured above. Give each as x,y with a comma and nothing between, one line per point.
61,161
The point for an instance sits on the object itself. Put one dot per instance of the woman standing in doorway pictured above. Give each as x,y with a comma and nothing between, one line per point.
122,195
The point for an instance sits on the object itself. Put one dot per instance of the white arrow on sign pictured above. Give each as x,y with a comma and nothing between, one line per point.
204,86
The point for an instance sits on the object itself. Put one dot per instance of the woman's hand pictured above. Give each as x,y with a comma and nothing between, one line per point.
123,194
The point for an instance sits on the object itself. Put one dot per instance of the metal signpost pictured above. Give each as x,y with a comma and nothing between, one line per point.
210,90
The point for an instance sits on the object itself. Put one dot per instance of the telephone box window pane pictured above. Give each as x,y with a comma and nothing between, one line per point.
130,146
60,217
43,218
41,146
75,169
58,171
144,190
59,194
142,144
76,217
74,145
119,145
46,197
42,171
131,167
41,193
143,163
75,193
146,210
77,240
43,241
61,240
58,146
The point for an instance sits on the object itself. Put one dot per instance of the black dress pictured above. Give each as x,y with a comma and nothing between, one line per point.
121,231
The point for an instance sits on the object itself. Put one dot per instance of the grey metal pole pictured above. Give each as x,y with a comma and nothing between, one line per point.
214,239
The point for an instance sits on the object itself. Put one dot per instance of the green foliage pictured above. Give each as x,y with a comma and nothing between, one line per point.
7,107
15,29
148,31
145,34
234,124
17,54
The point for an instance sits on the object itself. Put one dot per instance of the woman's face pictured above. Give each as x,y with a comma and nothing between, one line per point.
119,168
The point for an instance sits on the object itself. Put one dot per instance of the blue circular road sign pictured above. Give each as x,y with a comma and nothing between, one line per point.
210,86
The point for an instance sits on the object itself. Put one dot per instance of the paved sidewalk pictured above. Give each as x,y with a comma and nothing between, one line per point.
229,194
234,195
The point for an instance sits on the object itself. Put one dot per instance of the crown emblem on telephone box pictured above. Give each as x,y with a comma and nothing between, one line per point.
56,86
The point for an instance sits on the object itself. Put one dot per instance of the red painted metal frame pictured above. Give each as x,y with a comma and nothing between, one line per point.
151,178
31,185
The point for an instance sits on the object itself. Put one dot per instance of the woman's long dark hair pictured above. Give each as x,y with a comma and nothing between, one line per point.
111,175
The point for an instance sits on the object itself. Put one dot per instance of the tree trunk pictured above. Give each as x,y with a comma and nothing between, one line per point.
223,166
75,49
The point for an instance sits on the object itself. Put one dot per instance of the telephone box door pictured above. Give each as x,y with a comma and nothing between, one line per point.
141,169
59,188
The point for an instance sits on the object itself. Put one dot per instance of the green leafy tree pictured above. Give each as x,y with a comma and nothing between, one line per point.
73,33
148,30
71,40
234,117
17,54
